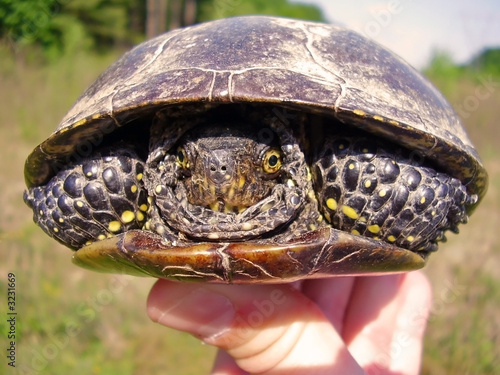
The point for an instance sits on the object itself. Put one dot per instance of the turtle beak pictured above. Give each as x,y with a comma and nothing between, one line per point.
222,176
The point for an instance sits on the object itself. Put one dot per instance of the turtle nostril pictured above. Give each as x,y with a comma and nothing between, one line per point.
214,168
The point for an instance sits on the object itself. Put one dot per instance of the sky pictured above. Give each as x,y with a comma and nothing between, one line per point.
414,29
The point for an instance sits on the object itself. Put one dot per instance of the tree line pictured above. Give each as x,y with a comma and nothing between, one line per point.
62,26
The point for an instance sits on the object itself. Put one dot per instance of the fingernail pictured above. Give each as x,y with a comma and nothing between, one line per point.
201,312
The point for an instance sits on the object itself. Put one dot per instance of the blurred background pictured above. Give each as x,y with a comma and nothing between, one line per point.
74,321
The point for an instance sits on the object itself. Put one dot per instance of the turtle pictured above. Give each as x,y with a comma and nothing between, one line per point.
256,149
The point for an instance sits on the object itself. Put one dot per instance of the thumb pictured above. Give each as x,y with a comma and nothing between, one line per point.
272,329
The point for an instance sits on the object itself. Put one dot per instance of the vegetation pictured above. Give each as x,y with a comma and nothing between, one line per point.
64,26
210,9
463,336
74,321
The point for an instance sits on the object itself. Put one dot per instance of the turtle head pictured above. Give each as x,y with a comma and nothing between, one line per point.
225,177
228,169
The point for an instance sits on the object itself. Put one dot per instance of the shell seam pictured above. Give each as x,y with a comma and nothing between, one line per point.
309,48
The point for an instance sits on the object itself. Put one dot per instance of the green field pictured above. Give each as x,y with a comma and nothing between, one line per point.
75,321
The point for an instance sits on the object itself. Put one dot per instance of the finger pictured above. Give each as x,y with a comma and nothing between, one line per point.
410,324
370,320
381,328
226,365
272,329
331,295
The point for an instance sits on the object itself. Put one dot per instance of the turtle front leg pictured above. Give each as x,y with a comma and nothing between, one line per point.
375,189
102,196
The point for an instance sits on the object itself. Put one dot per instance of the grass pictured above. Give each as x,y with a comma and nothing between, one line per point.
463,335
74,321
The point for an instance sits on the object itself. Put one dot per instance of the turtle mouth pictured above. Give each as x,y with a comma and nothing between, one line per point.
221,222
237,194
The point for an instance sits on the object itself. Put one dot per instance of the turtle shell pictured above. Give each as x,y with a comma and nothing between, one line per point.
313,67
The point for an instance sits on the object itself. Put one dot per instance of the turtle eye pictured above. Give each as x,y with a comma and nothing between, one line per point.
182,158
272,161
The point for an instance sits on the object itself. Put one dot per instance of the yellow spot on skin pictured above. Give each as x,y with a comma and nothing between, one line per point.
391,238
362,219
139,177
290,183
354,231
350,212
133,188
101,237
56,229
143,207
433,213
247,226
393,122
319,219
341,146
359,112
79,204
230,194
61,220
351,166
266,207
422,200
89,174
410,238
213,236
331,204
127,216
312,226
311,195
365,150
158,189
382,193
309,175
214,206
374,228
140,216
378,118
241,182
88,243
41,212
368,183
114,226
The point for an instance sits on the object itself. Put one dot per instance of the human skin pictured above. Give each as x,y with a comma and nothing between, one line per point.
343,325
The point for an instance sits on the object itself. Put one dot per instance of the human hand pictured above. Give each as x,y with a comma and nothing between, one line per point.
344,325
